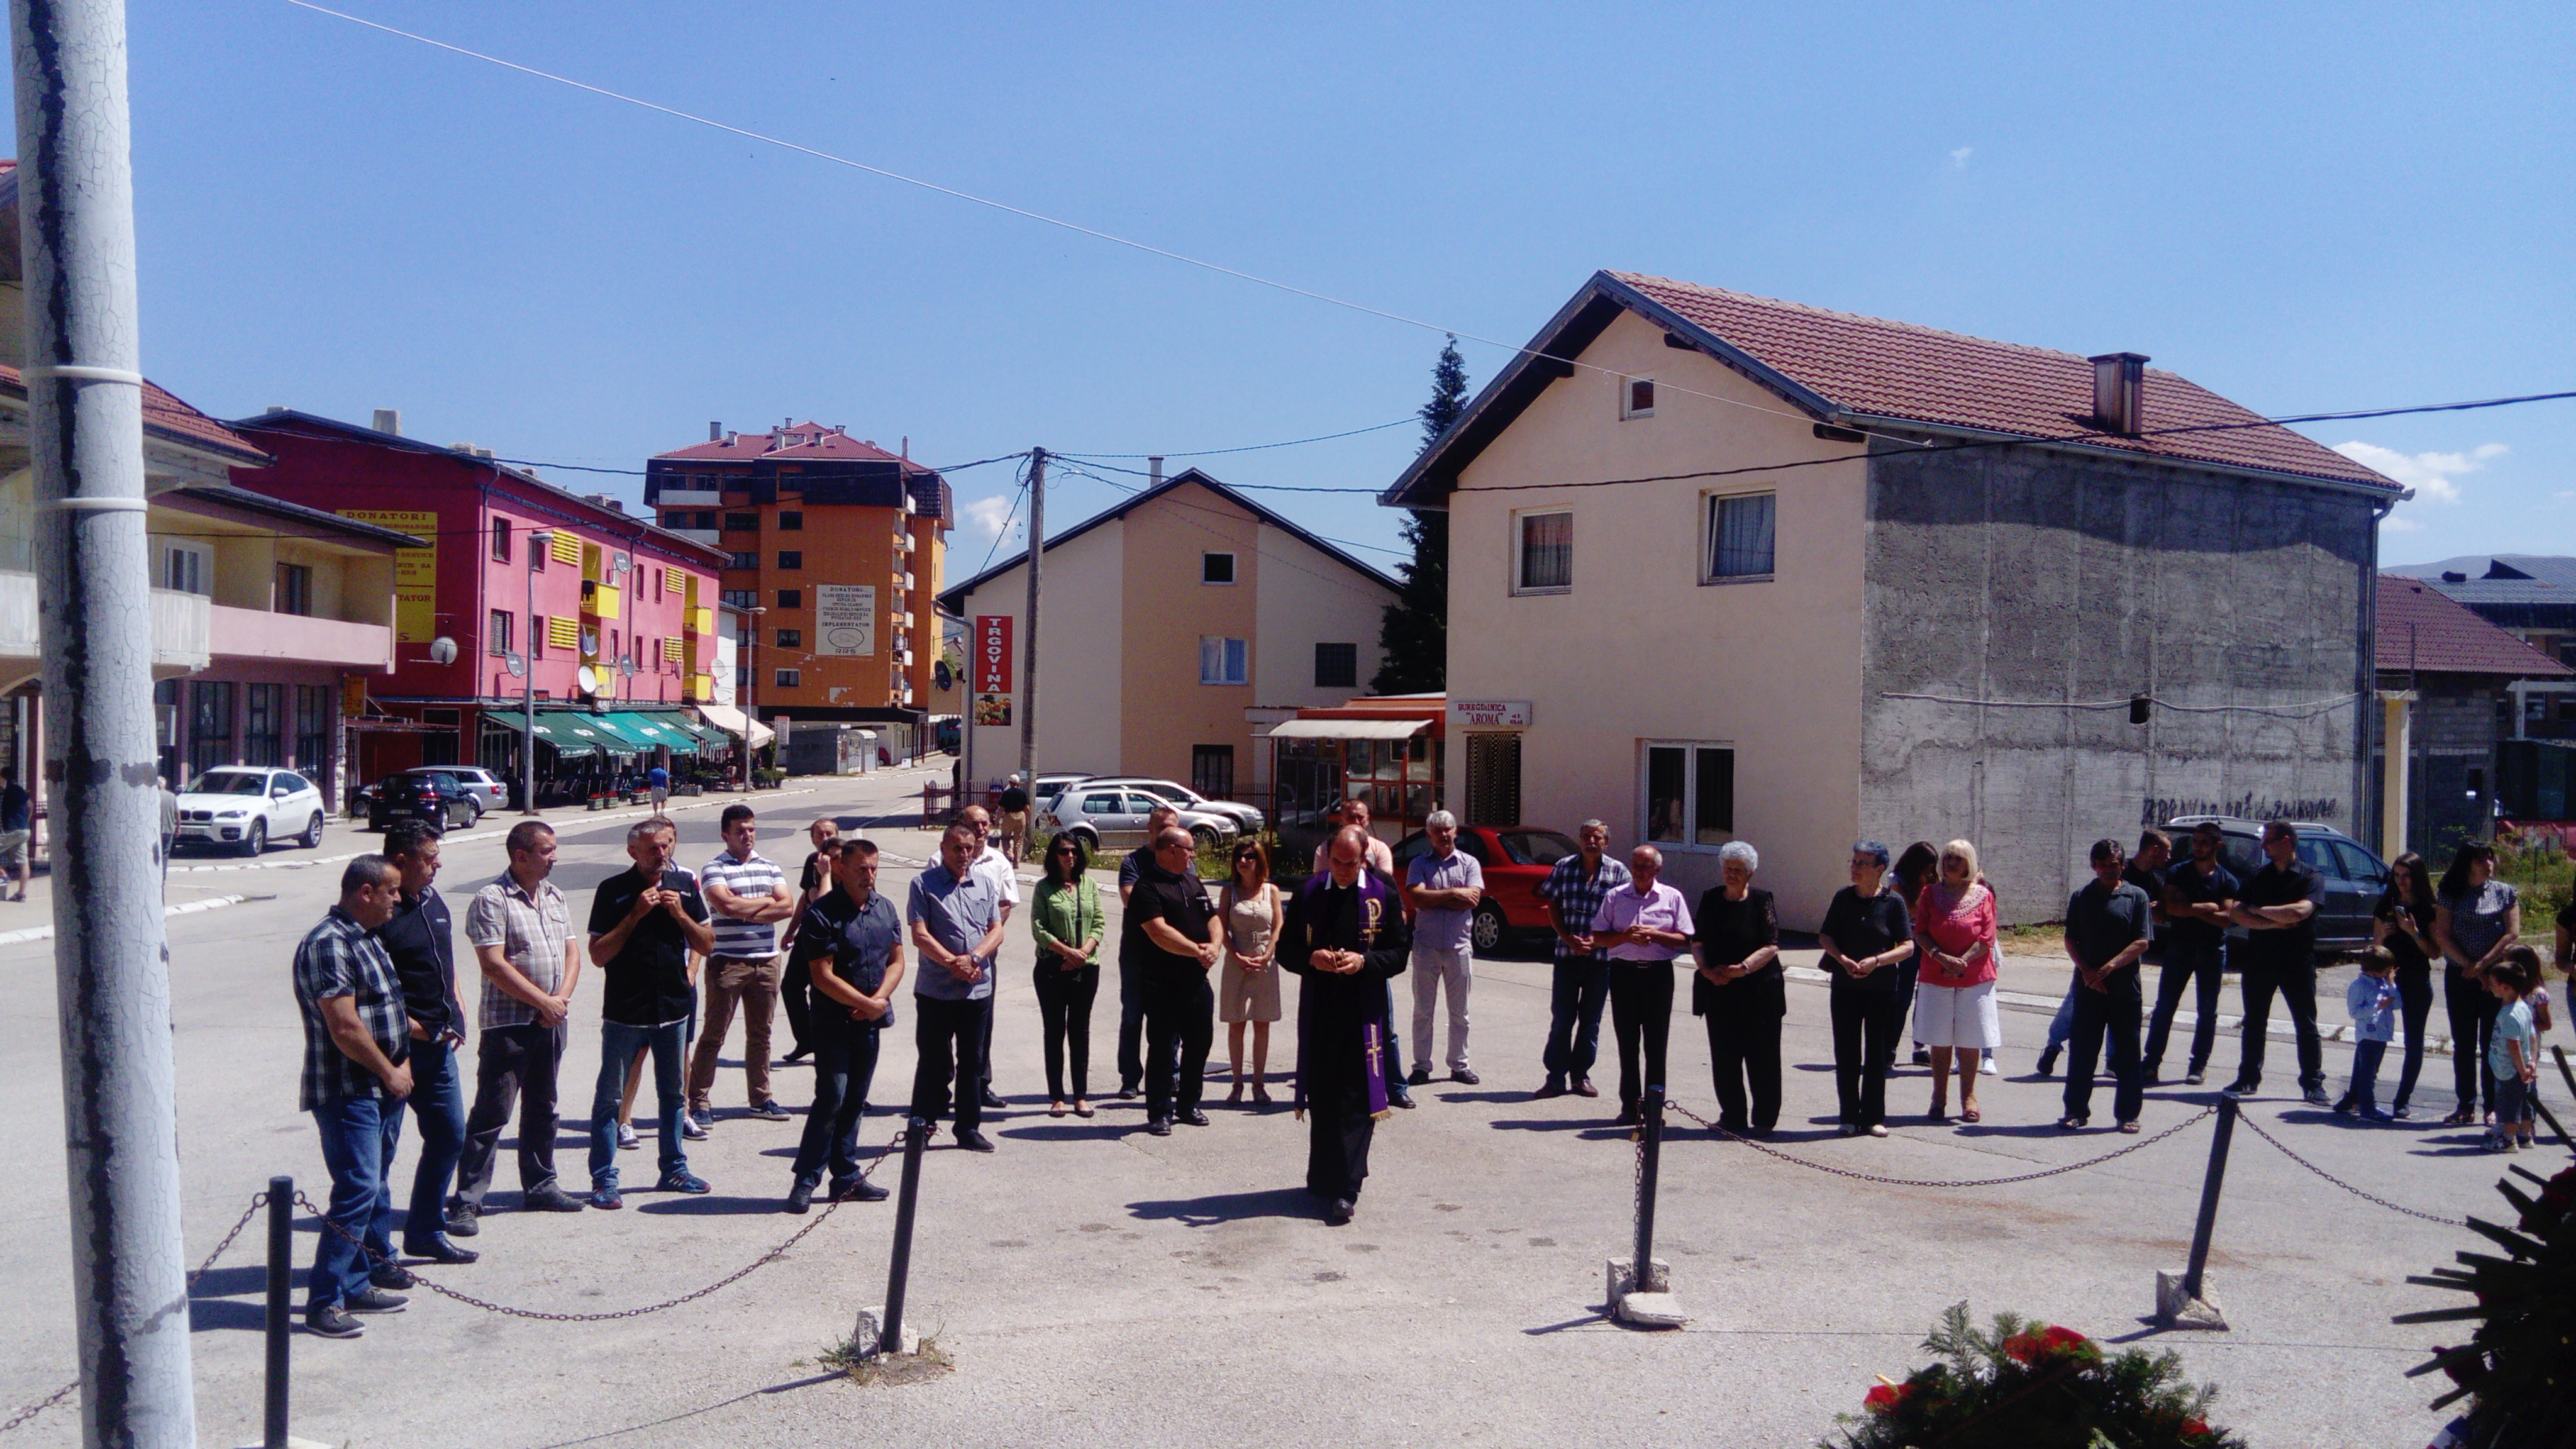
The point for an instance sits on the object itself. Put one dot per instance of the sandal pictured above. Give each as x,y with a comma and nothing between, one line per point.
2464,1117
1081,1108
2130,1127
1940,1111
2072,1124
1235,1097
1971,1114
1055,1109
1260,1094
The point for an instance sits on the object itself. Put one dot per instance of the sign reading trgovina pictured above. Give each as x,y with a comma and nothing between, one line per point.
992,666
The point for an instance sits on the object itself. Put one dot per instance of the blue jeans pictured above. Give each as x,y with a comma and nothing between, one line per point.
618,1044
2366,1057
359,1135
438,1100
1580,988
2061,1027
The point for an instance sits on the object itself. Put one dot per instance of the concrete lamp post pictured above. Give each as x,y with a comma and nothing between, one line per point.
539,542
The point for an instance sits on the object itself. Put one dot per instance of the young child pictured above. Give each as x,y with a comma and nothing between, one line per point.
2513,1052
2372,999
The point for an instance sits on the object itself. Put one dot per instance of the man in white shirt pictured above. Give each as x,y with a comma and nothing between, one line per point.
990,863
1443,885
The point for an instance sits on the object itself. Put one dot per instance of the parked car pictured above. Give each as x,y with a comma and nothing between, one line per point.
2354,876
1247,820
423,795
1516,863
1112,817
1050,786
244,807
488,789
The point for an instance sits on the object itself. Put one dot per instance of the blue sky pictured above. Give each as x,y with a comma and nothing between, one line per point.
2304,208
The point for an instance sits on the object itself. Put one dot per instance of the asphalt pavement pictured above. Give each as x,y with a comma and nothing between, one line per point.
1094,1285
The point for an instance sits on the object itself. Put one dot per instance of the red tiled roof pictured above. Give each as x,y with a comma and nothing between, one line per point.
167,415
1898,370
2421,627
824,443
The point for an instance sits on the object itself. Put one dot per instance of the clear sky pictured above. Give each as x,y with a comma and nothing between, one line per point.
2303,208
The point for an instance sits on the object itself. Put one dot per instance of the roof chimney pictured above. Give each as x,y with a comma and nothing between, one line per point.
389,420
2118,382
1154,466
715,432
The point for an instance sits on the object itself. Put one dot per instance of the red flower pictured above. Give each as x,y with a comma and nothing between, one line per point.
2032,1345
2195,1428
1882,1400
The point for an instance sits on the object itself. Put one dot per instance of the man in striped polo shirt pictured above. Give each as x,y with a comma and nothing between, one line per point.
747,896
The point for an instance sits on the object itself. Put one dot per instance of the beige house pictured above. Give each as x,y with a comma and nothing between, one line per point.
1723,567
1171,622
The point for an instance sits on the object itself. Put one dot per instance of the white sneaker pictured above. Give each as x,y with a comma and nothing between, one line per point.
1987,1068
626,1138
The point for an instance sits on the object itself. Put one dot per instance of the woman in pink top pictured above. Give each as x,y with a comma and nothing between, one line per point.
1954,995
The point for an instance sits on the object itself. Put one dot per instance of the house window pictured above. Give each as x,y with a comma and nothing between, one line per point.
1216,568
791,598
743,560
791,638
1545,564
294,589
1212,771
791,558
210,724
1688,794
790,520
742,523
263,711
1224,661
1494,779
1337,666
742,676
499,631
314,704
788,678
1739,537
187,568
740,598
501,539
1636,397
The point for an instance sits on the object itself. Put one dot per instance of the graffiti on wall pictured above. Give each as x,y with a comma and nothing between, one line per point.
2156,810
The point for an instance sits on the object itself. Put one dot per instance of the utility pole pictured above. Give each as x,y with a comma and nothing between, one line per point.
1029,650
539,541
85,429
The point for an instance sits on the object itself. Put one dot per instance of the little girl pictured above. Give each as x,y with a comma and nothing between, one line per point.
2512,1053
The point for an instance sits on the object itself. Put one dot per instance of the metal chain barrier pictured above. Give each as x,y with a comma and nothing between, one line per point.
745,1271
2257,1129
258,1200
2140,1145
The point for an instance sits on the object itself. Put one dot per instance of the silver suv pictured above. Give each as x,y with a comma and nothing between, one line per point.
1247,819
1112,817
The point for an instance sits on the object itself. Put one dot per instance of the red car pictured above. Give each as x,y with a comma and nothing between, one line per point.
1516,861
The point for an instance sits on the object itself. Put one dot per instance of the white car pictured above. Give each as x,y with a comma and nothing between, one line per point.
1247,818
244,807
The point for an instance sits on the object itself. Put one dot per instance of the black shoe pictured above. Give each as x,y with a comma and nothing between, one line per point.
688,1182
1420,1076
391,1275
2048,1062
993,1100
800,1196
1400,1099
1626,1118
376,1300
544,1200
1159,1126
793,1057
858,1189
332,1321
772,1112
1922,1056
1127,1093
1195,1117
1583,1087
1339,1214
2243,1087
1547,1090
2345,1107
462,1221
2317,1097
2194,1077
974,1141
1465,1078
440,1250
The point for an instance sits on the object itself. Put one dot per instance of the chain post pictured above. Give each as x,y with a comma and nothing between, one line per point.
1650,1143
916,1135
281,1281
2207,1222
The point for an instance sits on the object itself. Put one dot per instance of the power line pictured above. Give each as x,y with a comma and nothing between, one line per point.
1005,530
1250,447
1213,513
1090,461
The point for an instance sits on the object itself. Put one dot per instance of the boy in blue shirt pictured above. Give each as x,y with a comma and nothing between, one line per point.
2372,999
2512,1053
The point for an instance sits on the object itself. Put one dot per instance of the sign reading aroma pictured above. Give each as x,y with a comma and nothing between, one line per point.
992,666
1511,714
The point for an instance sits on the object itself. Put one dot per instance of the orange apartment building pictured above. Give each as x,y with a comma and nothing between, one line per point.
833,549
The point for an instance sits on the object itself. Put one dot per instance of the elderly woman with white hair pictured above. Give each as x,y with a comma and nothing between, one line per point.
1741,992
1954,994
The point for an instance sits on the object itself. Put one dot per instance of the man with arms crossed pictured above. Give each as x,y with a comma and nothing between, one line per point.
851,948
644,922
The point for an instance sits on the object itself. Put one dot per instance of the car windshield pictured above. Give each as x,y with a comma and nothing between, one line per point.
229,782
1536,847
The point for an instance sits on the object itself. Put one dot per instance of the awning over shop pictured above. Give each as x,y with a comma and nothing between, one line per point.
653,730
1348,729
683,727
569,731
734,722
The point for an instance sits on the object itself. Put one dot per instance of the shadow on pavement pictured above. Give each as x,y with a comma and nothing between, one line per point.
683,1206
807,1382
1056,1132
1230,1207
1591,1129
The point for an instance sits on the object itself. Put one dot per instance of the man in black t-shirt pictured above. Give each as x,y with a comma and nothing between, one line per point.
644,922
2108,925
2197,897
1131,1000
2278,909
850,944
1170,933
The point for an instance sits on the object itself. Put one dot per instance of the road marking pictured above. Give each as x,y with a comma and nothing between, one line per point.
306,862
183,908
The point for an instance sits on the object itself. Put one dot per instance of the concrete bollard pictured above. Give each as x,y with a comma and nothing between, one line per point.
1650,1304
2183,1299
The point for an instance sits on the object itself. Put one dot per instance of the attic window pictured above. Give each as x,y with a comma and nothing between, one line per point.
1637,397
1216,568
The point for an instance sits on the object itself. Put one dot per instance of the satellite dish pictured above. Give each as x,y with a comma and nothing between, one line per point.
589,679
625,665
518,664
442,650
940,675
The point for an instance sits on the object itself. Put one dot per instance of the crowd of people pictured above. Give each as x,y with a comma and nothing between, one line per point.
1914,934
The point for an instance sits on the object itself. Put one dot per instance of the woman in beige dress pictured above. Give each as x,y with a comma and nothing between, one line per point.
1248,986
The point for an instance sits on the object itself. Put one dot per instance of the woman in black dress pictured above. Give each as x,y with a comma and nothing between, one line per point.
2405,927
1868,937
1741,991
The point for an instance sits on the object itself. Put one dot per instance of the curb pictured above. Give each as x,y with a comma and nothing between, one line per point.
184,908
307,862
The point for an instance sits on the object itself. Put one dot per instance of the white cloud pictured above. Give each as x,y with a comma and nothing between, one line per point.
2433,476
1959,158
2395,524
983,517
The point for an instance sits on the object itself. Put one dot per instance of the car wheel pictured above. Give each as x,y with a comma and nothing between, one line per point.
313,832
1203,839
257,841
473,814
1090,841
1491,931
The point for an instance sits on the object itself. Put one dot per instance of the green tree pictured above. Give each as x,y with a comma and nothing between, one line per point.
1414,635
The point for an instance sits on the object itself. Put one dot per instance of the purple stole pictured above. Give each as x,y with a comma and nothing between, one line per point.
1378,902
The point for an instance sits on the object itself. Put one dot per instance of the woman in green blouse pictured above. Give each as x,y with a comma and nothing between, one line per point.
1066,918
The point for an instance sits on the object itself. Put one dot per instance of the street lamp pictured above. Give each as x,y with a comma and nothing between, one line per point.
539,541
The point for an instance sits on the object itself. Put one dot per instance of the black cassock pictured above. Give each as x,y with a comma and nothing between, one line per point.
1338,1015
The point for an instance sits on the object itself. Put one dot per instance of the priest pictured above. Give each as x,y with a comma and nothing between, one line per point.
1346,936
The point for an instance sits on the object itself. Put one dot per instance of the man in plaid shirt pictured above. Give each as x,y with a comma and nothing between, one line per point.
521,929
1573,890
356,1073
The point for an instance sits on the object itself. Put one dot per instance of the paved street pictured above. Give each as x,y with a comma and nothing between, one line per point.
1097,1286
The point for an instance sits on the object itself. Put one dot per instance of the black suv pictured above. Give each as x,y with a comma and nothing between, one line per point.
438,799
2354,877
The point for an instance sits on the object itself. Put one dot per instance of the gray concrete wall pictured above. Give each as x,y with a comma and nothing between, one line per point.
2017,581
2455,733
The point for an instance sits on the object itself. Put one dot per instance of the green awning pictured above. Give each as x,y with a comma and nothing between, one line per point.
652,730
570,731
